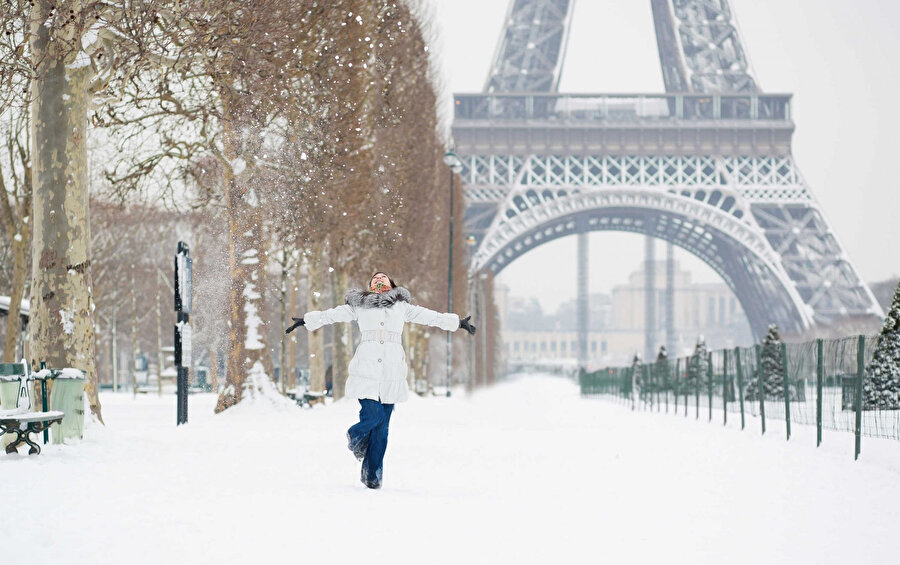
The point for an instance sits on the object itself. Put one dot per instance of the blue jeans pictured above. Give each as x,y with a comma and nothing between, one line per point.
372,432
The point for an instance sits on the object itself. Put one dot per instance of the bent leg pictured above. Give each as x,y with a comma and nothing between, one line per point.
370,415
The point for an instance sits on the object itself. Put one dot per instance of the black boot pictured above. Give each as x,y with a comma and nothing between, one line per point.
370,482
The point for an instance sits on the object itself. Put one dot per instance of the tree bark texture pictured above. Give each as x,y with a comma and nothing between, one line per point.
246,268
20,269
315,301
61,326
288,370
341,344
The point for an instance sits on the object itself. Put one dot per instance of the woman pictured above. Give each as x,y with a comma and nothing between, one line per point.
377,372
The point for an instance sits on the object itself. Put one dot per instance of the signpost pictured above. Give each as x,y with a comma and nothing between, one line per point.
182,326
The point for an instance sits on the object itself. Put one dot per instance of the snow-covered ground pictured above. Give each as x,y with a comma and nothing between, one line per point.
525,472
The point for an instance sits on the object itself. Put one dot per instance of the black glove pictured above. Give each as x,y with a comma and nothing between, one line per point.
465,324
297,323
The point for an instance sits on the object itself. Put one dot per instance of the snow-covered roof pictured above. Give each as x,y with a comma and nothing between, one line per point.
25,308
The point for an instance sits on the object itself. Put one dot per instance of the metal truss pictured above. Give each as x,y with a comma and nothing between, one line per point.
700,49
739,253
489,178
758,208
532,47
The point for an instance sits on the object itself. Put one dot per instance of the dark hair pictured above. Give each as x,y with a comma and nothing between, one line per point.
390,280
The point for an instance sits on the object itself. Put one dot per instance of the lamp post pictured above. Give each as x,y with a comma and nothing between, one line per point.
452,161
473,304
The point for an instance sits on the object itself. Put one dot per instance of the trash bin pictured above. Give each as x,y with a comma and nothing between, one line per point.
67,396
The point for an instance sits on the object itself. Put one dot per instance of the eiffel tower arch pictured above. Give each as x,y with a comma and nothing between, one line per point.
706,166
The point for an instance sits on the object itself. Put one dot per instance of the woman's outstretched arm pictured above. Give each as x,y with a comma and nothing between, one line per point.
317,318
426,317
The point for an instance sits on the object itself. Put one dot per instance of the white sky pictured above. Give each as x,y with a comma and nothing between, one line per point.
837,57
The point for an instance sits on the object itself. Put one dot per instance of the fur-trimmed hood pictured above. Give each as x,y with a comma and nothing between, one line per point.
359,298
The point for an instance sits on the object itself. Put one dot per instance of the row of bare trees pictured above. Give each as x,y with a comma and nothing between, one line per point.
293,143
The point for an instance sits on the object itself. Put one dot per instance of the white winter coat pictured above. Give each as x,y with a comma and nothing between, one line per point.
378,368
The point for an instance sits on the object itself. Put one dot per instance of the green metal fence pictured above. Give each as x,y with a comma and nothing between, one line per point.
824,380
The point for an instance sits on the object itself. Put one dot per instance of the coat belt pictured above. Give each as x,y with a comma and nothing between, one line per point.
381,336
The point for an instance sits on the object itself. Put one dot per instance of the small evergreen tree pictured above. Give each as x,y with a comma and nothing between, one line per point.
661,369
637,368
696,369
881,389
772,369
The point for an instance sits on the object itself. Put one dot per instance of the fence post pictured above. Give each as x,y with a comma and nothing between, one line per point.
633,386
860,375
645,371
675,384
725,387
787,390
740,380
666,384
760,390
697,393
709,382
656,380
820,374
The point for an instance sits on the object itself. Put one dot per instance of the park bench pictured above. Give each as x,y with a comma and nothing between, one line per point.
307,398
20,419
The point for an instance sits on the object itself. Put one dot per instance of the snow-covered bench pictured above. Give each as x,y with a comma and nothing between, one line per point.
24,423
307,398
21,420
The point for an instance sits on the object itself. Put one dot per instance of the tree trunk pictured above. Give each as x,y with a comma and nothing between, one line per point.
160,357
61,325
13,320
246,270
134,346
115,352
341,344
282,300
314,301
292,342
213,369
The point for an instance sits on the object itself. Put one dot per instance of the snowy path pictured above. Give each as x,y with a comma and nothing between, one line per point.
526,472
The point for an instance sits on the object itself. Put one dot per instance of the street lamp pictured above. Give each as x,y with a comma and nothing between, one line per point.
452,161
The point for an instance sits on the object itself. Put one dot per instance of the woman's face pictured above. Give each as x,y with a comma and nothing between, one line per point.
380,282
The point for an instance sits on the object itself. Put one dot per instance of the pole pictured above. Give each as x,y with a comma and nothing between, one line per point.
709,383
582,314
740,379
725,388
182,327
649,296
787,390
697,392
450,288
760,389
860,374
44,398
820,373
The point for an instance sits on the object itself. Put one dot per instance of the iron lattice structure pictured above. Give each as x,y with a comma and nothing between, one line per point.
706,166
530,54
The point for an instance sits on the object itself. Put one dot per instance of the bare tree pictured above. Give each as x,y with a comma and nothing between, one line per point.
15,169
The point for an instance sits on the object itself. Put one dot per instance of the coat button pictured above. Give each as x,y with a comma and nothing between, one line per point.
382,323
379,360
382,341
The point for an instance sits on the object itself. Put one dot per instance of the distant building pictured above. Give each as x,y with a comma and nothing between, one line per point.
617,321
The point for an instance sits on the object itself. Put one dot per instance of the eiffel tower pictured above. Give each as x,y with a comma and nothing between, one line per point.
706,166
